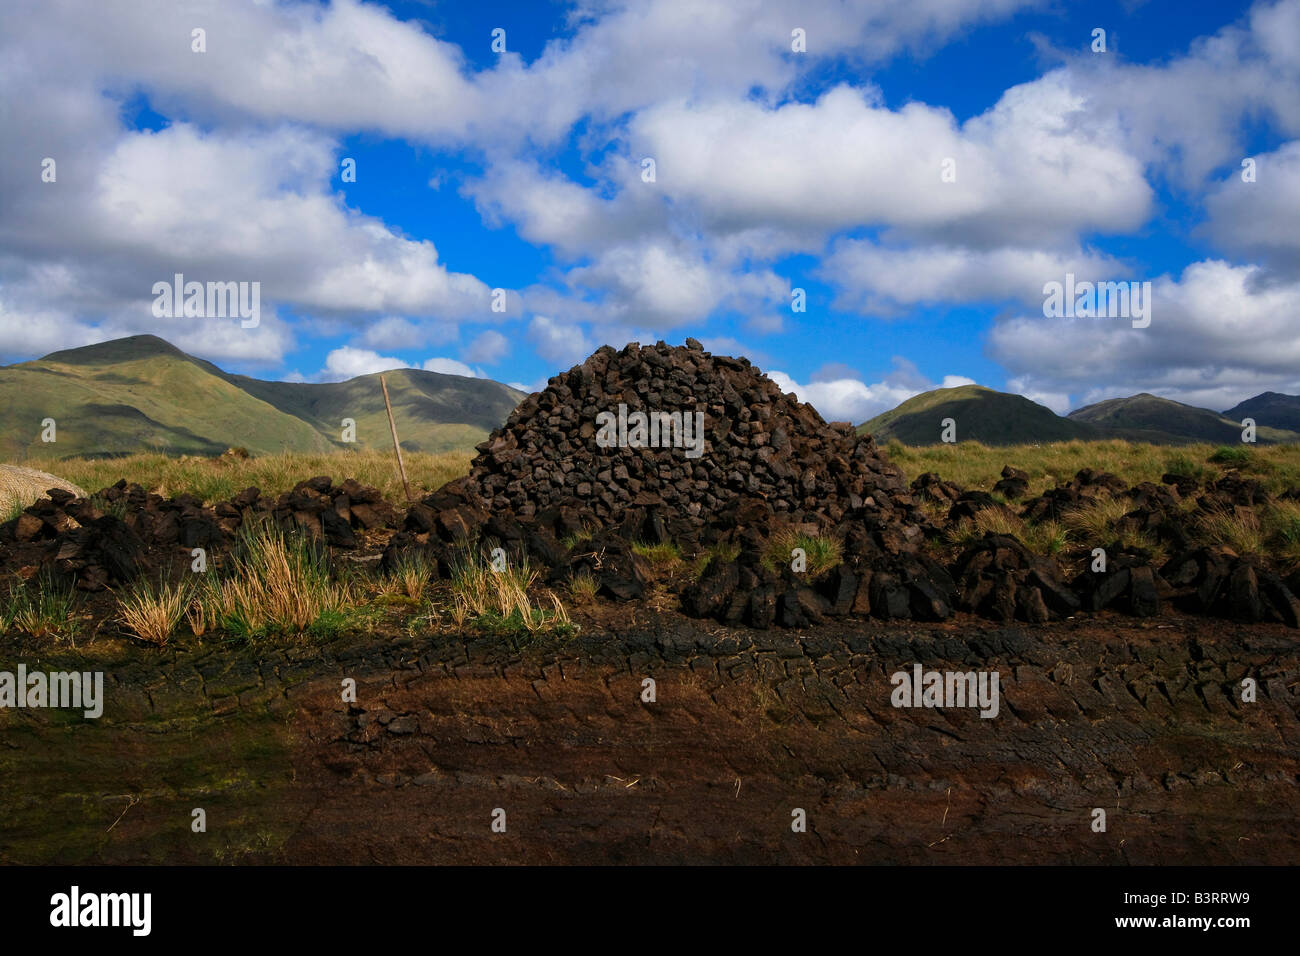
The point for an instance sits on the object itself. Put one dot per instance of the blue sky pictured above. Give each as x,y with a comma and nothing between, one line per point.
775,171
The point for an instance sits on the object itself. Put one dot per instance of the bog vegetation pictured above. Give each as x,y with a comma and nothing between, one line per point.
275,586
973,465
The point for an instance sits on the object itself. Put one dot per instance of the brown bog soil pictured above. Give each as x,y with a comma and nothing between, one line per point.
1141,718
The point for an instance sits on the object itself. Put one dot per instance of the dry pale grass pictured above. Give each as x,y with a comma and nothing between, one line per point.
936,511
277,584
153,614
1096,522
196,615
217,479
969,530
1282,523
500,600
1044,537
1099,525
1238,528
410,578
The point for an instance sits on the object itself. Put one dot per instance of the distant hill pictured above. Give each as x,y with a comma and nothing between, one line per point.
141,394
1001,418
981,414
1147,417
1271,409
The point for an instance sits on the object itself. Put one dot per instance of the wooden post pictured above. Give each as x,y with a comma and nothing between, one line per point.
396,446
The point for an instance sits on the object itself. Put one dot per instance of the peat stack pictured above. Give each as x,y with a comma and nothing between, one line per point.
683,435
661,443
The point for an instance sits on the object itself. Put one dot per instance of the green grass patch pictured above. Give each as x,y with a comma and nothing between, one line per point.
583,587
522,627
581,536
1232,457
820,553
665,554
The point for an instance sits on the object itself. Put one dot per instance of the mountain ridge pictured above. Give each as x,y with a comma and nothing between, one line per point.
1005,418
141,393
1275,408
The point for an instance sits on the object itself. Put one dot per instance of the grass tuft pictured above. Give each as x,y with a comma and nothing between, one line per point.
41,608
583,587
115,508
581,536
1096,522
1180,463
498,602
153,614
1282,525
410,578
728,551
277,584
1237,528
1045,538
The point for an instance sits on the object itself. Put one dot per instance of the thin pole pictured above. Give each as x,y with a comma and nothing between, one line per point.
396,446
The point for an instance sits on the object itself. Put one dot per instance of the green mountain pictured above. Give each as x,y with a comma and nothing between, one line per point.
1269,409
143,394
1148,417
981,414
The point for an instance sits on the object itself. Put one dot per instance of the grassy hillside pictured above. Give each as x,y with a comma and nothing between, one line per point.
981,414
434,412
137,396
141,395
1149,417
